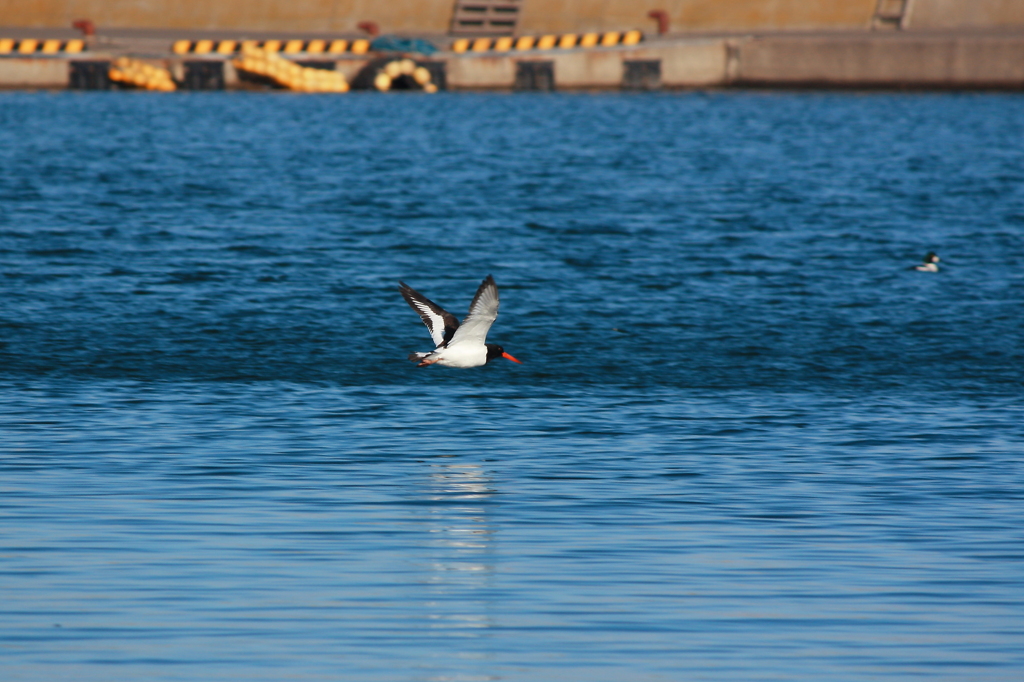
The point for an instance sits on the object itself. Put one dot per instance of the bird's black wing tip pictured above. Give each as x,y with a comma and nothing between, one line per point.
488,282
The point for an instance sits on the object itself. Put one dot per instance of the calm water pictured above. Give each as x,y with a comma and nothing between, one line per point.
747,442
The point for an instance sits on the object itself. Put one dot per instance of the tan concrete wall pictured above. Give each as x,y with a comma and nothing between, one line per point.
944,61
540,16
690,63
33,73
481,72
938,14
430,16
434,16
885,59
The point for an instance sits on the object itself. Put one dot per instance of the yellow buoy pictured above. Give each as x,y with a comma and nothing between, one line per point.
421,75
141,75
393,69
289,74
382,82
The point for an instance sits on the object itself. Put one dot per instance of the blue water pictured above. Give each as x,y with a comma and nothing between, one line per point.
747,441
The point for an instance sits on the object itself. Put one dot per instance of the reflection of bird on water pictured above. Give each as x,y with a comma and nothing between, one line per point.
459,539
461,481
929,264
463,490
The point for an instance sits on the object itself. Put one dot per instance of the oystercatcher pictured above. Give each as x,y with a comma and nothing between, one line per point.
458,346
929,264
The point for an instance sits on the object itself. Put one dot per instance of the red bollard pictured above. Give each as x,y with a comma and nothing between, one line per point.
85,26
661,16
370,27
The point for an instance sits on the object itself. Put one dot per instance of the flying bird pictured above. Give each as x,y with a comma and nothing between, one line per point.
458,345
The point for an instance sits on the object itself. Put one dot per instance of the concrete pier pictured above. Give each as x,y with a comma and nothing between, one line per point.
906,59
943,60
544,44
34,73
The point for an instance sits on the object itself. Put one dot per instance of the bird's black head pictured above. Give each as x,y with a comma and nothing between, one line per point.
931,257
496,351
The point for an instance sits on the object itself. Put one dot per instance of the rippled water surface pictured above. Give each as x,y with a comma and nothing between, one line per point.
747,441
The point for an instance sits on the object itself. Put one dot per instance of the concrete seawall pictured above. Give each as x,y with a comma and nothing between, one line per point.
699,62
34,73
909,59
533,44
837,59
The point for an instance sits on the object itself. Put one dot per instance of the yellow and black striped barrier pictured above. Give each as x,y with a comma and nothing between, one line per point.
33,46
289,47
564,41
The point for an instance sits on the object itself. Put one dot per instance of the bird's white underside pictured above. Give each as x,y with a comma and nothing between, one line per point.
463,357
466,348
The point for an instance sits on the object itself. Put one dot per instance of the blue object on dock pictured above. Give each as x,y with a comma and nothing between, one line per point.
399,44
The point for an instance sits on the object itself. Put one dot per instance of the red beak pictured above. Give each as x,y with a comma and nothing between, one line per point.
509,357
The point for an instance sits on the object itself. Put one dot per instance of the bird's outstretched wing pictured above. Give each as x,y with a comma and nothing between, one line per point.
440,322
482,313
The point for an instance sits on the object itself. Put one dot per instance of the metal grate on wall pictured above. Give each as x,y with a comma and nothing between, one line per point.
891,14
486,17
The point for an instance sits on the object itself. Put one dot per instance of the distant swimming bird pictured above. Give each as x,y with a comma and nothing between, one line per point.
458,346
929,264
